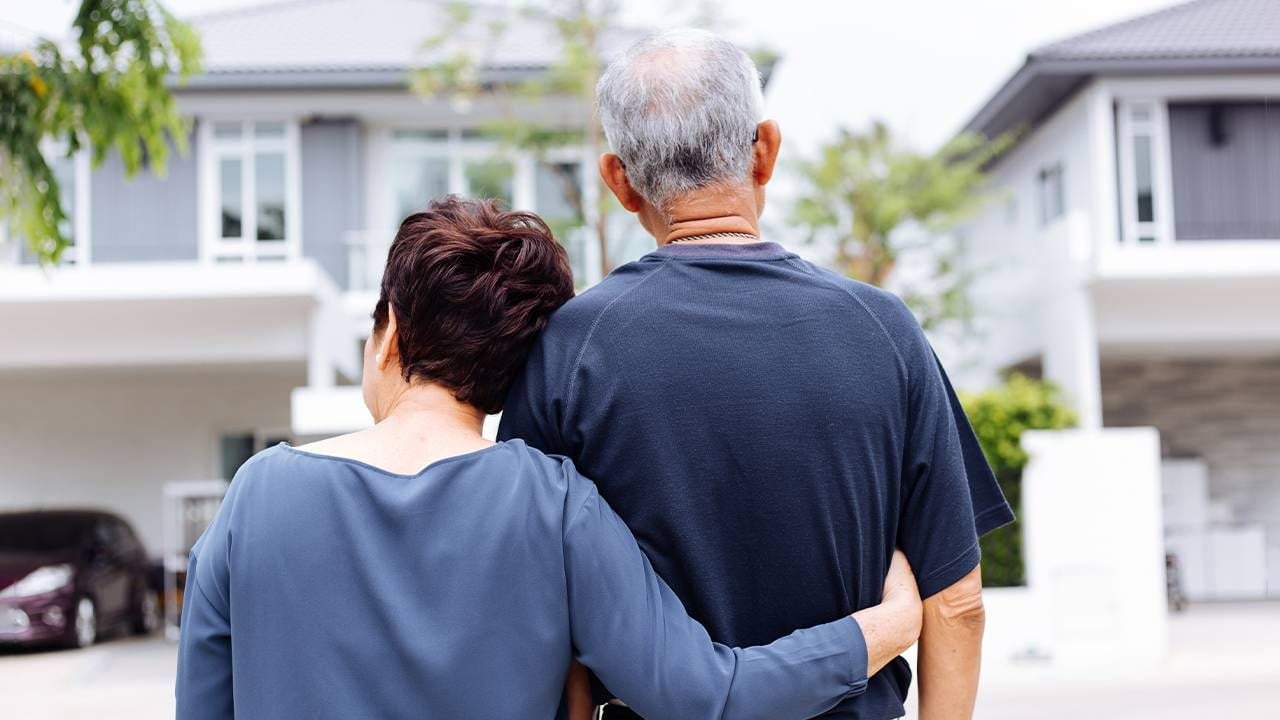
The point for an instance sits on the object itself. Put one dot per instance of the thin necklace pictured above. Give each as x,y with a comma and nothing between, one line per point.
705,236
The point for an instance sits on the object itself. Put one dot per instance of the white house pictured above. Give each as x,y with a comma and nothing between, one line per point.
1131,253
205,315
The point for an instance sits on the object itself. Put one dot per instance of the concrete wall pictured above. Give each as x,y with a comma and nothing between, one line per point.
1011,252
113,439
1225,411
1095,595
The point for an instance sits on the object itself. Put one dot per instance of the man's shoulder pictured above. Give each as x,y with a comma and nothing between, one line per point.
886,307
578,315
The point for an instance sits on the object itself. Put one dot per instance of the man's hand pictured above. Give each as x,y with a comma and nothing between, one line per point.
894,625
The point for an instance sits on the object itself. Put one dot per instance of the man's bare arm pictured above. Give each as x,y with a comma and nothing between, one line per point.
950,652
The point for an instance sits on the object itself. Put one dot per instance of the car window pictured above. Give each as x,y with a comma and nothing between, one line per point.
37,532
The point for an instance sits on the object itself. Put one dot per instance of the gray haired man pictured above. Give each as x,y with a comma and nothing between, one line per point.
770,431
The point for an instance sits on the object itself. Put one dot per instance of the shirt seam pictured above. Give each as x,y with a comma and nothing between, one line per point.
595,323
924,580
200,586
897,352
998,507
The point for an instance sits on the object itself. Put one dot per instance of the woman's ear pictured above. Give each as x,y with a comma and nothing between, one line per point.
387,349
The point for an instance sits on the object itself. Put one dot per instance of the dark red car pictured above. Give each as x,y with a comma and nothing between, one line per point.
69,576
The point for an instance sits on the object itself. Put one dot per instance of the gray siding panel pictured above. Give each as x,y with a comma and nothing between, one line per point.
1226,170
332,183
144,218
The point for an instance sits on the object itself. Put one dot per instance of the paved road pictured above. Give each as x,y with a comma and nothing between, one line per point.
1224,662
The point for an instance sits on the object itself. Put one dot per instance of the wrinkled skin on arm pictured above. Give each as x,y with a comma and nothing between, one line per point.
950,652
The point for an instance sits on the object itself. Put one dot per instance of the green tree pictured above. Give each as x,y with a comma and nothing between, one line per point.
863,187
999,417
462,48
105,89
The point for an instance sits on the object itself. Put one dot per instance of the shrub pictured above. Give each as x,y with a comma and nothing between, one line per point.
999,416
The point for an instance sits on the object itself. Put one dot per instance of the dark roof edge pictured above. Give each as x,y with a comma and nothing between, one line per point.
326,79
1036,67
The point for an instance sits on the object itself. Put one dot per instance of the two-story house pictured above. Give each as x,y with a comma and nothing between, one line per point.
206,314
1131,253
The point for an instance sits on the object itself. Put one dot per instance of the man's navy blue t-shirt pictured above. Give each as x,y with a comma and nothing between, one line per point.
770,431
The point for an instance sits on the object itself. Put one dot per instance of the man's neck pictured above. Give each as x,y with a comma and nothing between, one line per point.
727,215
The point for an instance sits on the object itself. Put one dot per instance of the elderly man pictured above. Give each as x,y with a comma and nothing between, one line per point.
769,430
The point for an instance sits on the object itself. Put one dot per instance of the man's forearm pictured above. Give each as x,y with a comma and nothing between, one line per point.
950,653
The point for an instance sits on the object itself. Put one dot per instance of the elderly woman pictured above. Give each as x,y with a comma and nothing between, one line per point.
416,569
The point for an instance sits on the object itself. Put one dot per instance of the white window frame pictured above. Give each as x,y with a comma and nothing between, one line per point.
80,253
1145,117
213,247
458,151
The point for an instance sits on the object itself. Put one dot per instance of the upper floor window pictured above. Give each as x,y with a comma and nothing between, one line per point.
1052,193
411,167
249,191
1139,133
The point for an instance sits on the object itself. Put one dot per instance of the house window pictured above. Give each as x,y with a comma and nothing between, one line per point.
424,164
1138,126
250,190
1052,193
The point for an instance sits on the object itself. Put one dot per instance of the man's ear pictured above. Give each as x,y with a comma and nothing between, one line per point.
614,174
388,350
768,141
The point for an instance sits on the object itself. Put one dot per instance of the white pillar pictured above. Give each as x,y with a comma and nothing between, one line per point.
1093,539
1068,320
320,364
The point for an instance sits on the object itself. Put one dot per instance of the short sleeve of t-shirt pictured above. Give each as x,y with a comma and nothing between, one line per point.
949,493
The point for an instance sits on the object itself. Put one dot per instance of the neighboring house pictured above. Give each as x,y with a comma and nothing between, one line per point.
1132,254
205,315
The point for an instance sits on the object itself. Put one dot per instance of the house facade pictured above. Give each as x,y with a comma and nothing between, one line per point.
1131,253
209,313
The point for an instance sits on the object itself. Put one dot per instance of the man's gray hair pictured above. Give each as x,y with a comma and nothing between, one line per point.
680,108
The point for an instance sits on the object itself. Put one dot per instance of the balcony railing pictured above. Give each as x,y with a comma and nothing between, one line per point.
366,257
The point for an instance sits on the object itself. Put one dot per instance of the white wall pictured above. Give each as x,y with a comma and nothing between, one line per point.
113,439
1094,544
1011,252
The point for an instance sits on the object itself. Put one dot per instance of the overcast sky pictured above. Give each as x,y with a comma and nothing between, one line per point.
922,65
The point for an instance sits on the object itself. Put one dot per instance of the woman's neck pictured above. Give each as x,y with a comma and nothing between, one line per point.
421,425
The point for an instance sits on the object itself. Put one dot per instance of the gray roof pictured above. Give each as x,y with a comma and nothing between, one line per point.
1202,36
364,42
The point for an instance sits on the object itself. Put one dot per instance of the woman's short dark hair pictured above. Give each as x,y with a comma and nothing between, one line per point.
472,286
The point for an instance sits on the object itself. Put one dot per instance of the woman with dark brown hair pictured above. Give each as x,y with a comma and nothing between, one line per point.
416,569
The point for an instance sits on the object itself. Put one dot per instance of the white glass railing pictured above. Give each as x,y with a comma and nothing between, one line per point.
366,257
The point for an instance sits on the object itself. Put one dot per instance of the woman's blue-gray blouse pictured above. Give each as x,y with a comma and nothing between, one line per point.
328,588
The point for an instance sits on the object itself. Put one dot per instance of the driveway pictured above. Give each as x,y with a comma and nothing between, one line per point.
1224,662
118,679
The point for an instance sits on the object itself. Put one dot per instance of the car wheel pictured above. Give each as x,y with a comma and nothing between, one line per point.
84,628
147,617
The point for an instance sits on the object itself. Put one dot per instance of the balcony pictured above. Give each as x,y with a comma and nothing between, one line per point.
1198,183
174,314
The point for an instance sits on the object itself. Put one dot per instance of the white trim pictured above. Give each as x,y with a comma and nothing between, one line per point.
245,148
1154,127
80,252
